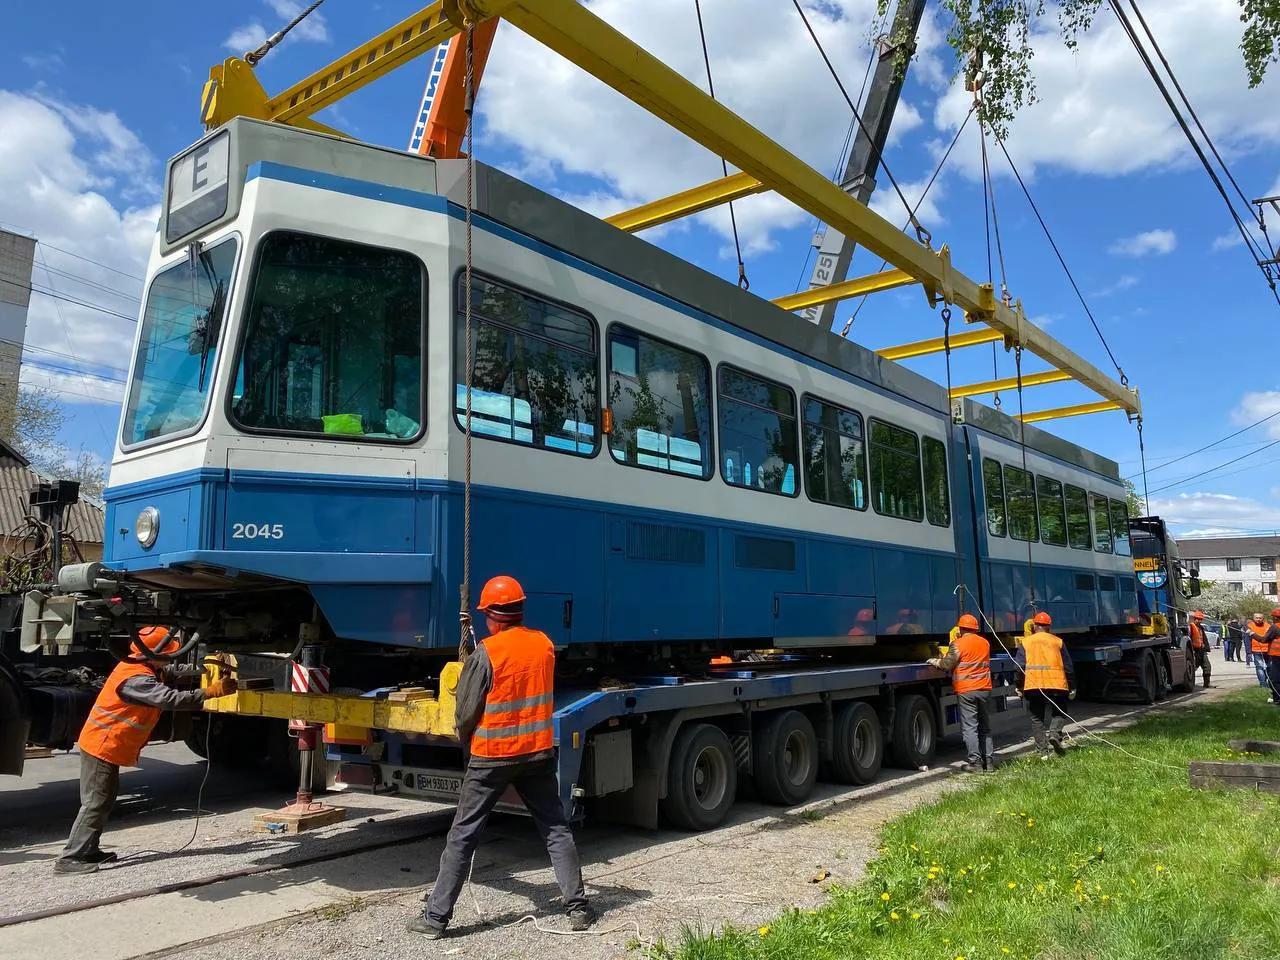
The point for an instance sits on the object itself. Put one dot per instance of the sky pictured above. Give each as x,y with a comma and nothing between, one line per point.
92,105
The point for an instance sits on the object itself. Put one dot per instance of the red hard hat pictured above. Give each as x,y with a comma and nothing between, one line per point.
1275,614
1042,618
967,621
502,599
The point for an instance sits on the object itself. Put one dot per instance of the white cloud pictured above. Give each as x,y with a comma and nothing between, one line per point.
1204,514
1099,112
250,36
1257,405
765,68
1126,281
1227,241
58,170
51,61
1149,243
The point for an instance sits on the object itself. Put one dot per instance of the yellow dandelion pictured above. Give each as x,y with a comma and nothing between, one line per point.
1159,868
894,915
1012,885
884,897
1004,949
1031,822
1106,896
915,916
1039,888
914,847
763,931
1099,849
970,890
1133,882
813,913
963,871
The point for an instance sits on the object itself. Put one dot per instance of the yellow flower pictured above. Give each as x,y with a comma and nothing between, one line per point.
763,931
813,913
1039,888
1099,849
1004,949
1031,823
963,871
915,916
894,915
1159,868
914,847
884,897
1106,896
1012,885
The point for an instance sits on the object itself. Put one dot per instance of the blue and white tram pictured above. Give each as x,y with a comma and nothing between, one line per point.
659,457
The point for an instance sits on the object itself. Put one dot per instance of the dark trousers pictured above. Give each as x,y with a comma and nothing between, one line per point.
1273,675
1047,716
1228,650
99,784
482,787
1201,658
975,724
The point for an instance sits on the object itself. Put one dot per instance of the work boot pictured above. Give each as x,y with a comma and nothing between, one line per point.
989,765
68,865
581,918
101,856
1058,748
425,926
969,767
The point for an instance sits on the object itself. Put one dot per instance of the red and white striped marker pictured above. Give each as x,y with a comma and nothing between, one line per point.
303,679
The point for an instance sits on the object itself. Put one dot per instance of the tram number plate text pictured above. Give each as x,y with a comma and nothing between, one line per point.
441,784
257,531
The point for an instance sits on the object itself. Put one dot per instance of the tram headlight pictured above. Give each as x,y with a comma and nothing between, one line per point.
147,527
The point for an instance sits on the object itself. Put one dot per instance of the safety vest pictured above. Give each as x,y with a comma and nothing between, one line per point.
1275,643
1197,635
517,714
1044,663
1259,641
973,672
117,731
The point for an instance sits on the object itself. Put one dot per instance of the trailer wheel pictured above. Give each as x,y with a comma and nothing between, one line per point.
702,778
915,733
1150,679
1162,677
785,758
1188,672
858,750
238,743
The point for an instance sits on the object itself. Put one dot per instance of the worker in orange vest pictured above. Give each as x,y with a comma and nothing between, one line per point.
1261,634
1199,645
1046,680
1273,659
968,660
119,726
503,716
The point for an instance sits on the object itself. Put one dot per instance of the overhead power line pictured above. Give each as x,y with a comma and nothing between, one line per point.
1205,473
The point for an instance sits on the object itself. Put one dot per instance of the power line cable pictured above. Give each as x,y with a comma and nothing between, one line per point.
96,263
53,294
1230,436
1204,473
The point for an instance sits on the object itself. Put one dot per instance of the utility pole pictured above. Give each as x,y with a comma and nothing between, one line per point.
835,251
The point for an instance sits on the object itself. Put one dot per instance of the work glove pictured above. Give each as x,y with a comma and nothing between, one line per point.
934,662
220,688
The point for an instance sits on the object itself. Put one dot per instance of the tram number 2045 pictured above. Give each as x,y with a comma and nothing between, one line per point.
257,531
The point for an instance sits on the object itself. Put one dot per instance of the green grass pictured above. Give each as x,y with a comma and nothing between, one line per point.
1098,856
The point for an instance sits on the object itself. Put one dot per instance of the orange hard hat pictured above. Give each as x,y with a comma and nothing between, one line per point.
157,640
1042,618
967,621
1198,614
502,599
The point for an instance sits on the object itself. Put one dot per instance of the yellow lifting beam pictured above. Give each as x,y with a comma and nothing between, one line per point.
921,348
573,31
858,286
687,202
1010,383
411,713
233,91
1078,410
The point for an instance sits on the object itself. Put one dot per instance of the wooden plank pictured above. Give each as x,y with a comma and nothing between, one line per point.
1213,774
1254,746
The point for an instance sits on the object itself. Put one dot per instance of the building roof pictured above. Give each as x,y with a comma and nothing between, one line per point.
1211,548
85,519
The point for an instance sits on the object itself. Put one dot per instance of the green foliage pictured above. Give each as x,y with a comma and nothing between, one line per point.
1223,604
32,428
1101,854
1003,31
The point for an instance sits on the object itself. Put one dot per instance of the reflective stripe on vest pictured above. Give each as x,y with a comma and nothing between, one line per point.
1044,663
117,731
1197,636
973,671
1259,642
517,714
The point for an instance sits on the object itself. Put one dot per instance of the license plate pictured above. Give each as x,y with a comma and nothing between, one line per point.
427,783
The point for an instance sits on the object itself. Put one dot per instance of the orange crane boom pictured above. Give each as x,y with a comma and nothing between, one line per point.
445,125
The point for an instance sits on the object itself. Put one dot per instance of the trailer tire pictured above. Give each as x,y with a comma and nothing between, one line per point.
1189,671
237,743
915,733
1162,676
702,778
784,758
1150,678
857,750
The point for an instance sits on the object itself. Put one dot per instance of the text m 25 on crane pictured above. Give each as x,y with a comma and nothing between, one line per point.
744,534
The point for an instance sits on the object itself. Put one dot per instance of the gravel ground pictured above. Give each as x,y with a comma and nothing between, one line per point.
647,884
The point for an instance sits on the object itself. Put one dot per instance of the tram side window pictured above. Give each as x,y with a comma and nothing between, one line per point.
534,376
834,456
1101,524
660,399
1120,527
758,448
1020,488
937,498
1078,518
333,341
895,472
993,490
1053,521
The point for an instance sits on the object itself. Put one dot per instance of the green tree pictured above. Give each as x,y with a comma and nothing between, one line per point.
1002,31
32,427
1136,504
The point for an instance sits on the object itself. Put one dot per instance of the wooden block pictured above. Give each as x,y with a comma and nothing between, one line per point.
38,753
1262,777
298,822
1254,746
409,694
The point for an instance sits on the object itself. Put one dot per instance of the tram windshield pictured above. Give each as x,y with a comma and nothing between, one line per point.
177,349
